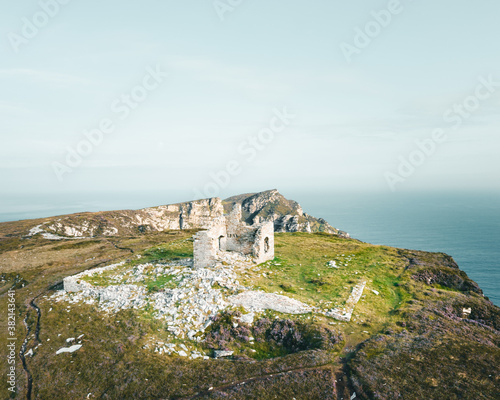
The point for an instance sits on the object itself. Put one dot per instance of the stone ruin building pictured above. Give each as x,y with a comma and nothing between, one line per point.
230,234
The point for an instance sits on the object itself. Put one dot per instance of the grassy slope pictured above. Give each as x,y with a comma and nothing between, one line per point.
410,326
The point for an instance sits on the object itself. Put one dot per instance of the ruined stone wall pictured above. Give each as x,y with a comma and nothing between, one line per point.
240,236
204,252
263,245
230,233
208,243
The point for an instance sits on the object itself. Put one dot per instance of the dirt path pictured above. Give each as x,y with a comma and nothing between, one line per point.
120,248
251,379
31,306
342,383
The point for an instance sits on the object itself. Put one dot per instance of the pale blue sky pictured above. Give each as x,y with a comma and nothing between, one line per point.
354,121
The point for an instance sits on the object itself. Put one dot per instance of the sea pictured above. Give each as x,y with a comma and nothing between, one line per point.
463,225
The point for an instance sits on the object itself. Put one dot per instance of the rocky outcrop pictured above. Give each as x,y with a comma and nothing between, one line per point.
193,214
287,216
190,215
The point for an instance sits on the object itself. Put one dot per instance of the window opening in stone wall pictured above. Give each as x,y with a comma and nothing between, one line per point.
266,245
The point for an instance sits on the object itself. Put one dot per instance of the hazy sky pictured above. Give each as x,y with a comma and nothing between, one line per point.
191,92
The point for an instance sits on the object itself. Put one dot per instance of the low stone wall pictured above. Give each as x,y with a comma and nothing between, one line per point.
75,283
346,313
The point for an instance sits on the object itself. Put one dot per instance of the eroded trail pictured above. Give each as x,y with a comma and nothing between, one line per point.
31,307
120,248
343,391
230,385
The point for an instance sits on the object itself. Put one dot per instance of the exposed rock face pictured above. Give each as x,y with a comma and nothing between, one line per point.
190,215
193,214
287,216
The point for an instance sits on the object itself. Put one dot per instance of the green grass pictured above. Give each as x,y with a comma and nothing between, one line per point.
151,281
113,362
300,270
168,252
162,282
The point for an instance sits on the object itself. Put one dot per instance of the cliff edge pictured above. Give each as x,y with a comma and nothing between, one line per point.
287,216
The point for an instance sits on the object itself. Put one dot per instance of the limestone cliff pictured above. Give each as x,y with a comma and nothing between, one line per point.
189,215
287,216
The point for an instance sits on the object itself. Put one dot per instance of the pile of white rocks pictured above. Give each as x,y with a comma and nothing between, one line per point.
198,294
189,307
191,298
46,235
110,298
